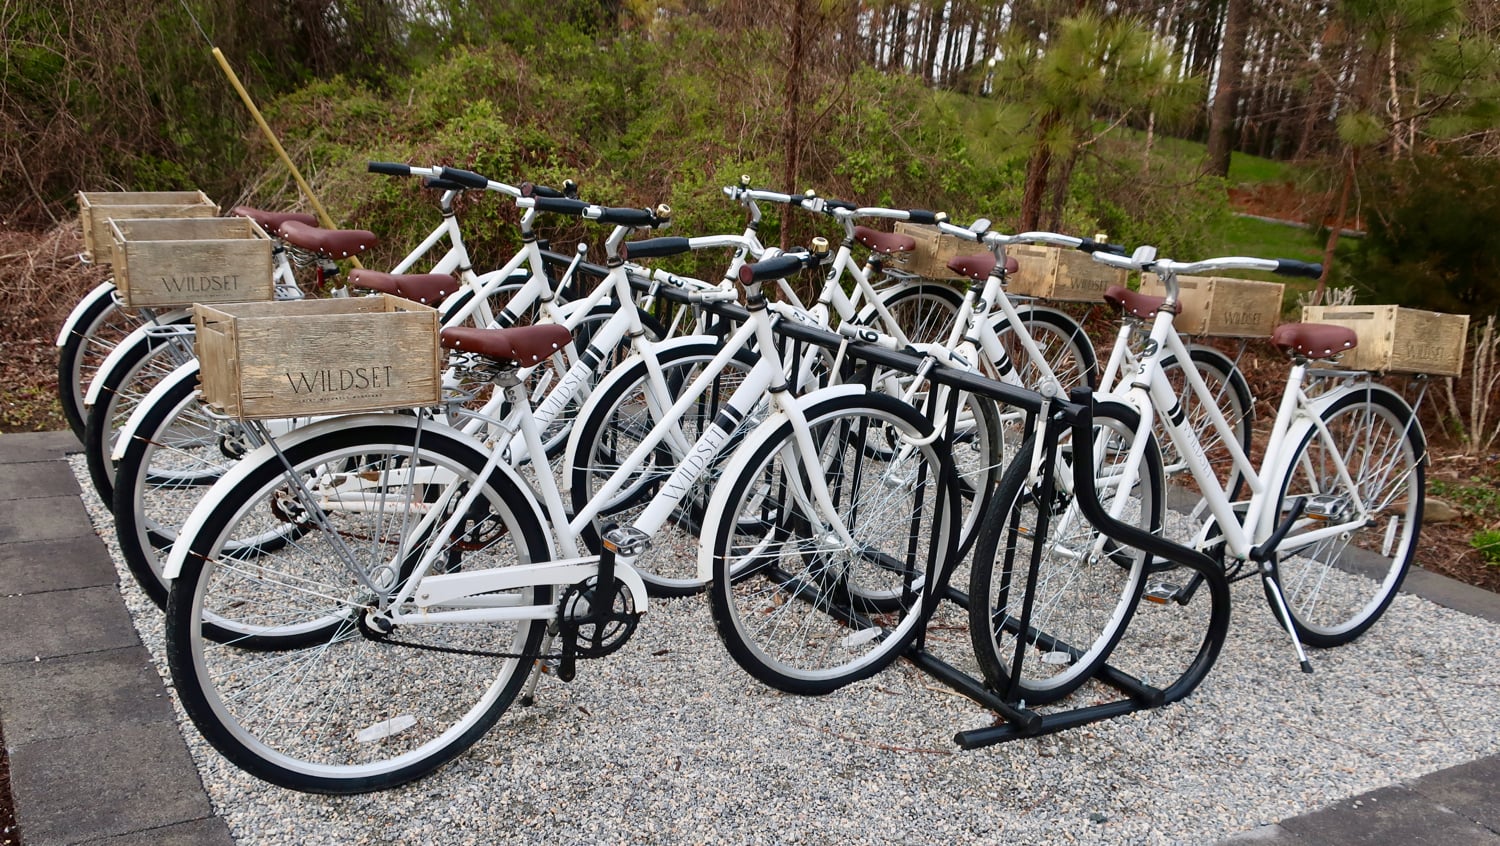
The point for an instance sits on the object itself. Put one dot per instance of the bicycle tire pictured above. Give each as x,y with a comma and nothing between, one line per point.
97,329
616,420
925,311
794,609
1232,395
1062,342
147,361
352,710
1083,600
1337,589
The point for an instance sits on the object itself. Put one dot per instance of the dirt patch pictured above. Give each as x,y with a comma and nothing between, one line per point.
1286,201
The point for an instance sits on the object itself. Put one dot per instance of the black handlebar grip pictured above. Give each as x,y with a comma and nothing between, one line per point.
922,216
389,168
557,205
544,191
778,267
839,204
1288,267
628,217
442,185
466,178
1092,246
654,248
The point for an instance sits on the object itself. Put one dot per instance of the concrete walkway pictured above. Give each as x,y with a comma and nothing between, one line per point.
96,756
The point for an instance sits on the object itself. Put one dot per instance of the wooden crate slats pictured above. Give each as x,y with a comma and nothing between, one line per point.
166,263
1393,339
318,357
1223,307
96,208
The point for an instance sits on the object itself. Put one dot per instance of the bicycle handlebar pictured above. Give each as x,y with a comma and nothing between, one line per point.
1146,260
654,248
777,267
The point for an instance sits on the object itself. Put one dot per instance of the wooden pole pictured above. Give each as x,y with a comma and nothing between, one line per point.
265,129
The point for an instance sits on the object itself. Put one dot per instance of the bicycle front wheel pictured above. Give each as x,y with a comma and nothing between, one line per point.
1338,584
1231,395
1084,588
281,659
807,599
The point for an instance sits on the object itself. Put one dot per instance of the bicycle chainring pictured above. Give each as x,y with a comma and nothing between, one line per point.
597,622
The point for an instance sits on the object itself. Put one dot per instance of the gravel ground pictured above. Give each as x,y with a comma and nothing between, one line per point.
669,741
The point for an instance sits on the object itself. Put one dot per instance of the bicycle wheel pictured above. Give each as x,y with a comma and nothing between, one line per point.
310,692
1232,396
796,605
1063,344
924,311
1085,588
616,421
176,453
1336,587
148,360
96,327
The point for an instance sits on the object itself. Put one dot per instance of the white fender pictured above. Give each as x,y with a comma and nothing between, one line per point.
627,369
127,346
105,290
210,501
184,371
719,504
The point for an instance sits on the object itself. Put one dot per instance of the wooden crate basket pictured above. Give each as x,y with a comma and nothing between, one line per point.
1223,307
95,208
302,358
934,249
168,263
1393,339
1057,274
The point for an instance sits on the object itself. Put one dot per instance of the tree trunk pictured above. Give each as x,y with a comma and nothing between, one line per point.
1036,173
1226,93
791,129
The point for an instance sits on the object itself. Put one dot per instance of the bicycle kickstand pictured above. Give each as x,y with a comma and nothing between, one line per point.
1266,555
538,669
1267,574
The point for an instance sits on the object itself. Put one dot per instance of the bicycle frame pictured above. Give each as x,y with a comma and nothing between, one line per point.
475,590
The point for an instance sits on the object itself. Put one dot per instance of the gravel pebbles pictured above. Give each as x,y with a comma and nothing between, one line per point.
668,741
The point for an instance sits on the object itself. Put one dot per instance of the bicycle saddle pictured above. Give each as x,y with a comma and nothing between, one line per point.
1314,340
885,243
334,243
980,265
425,288
1135,303
522,345
272,221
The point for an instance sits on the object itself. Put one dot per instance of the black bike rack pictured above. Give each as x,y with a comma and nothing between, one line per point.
1051,419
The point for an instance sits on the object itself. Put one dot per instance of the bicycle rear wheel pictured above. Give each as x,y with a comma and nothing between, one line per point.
149,360
1085,588
1063,344
1338,586
796,605
276,656
98,326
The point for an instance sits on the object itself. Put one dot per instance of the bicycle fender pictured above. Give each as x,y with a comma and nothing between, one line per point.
172,568
104,290
126,347
719,504
184,371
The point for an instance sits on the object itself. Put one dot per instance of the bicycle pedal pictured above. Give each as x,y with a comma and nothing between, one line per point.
1162,593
